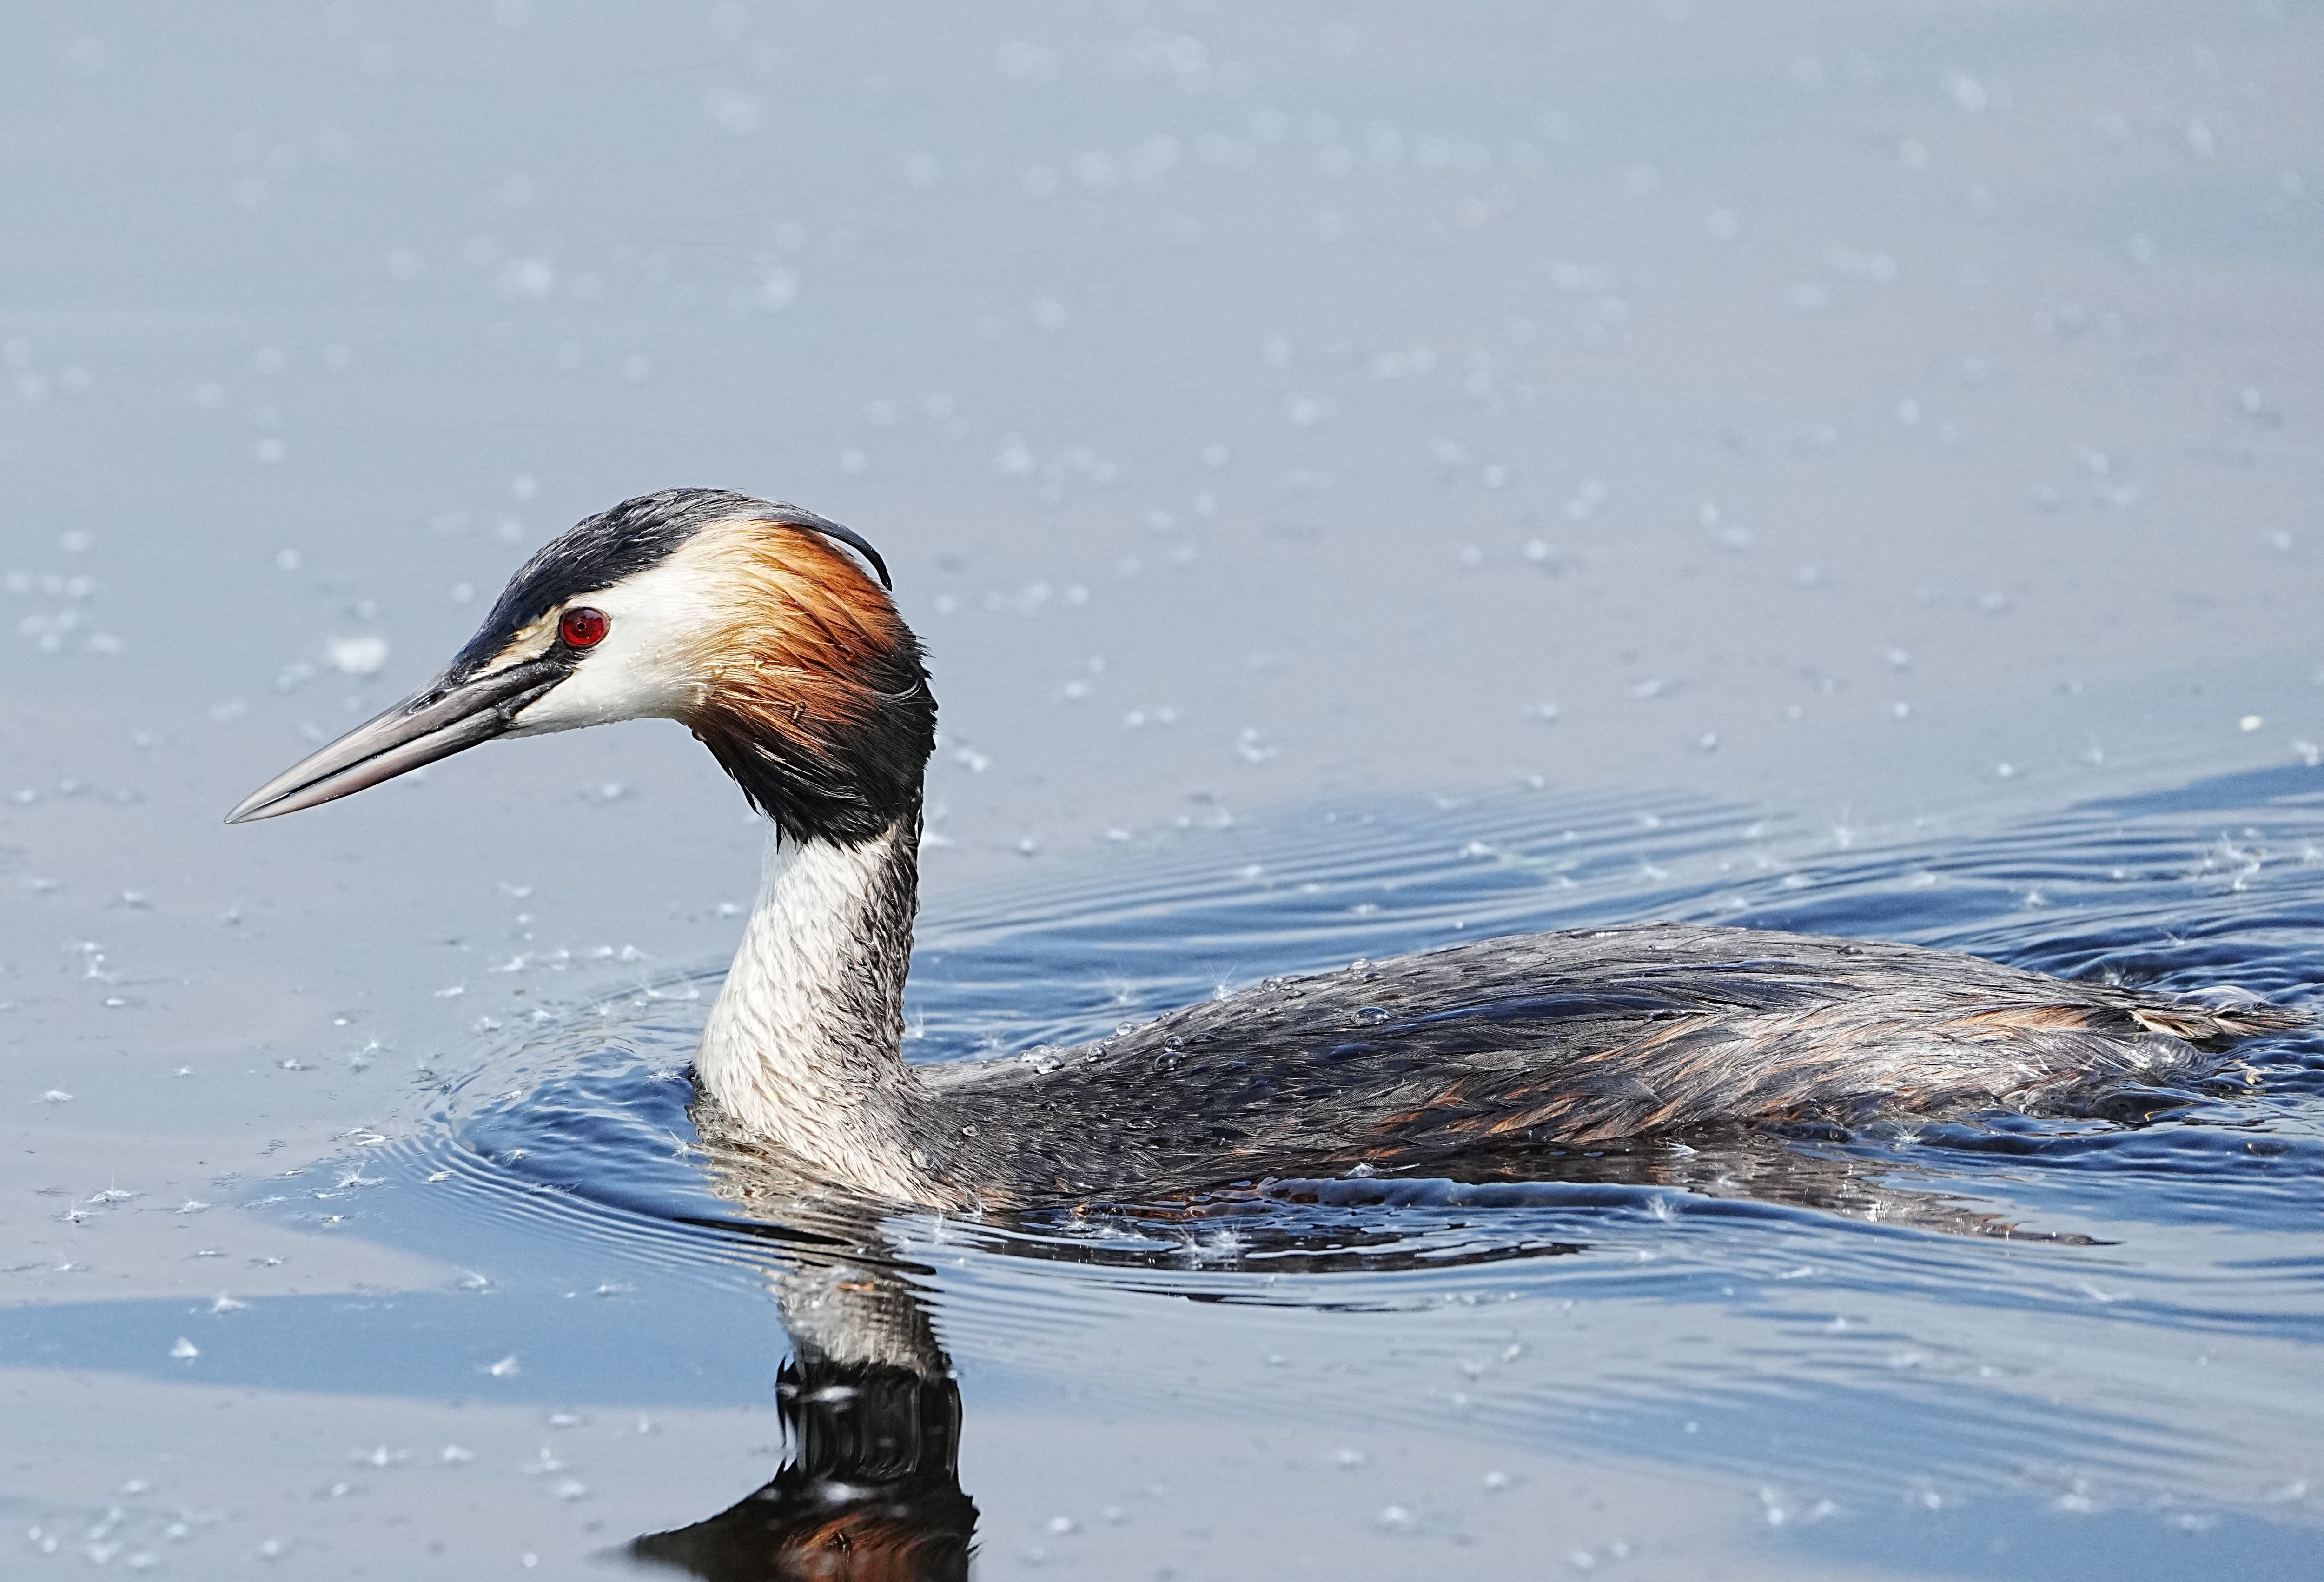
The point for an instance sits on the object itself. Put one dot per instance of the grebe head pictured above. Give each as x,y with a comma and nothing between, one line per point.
740,618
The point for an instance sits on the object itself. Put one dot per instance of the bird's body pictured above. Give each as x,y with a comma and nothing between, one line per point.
738,617
1539,1040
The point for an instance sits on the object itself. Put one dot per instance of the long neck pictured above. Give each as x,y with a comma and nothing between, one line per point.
803,1048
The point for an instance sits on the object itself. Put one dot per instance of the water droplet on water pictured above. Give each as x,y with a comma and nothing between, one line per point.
357,656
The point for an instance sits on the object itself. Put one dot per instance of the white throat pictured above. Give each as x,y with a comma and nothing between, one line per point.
803,1047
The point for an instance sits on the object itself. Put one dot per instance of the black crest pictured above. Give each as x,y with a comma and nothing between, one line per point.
615,545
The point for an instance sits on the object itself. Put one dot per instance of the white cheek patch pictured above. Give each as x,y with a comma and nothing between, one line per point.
645,667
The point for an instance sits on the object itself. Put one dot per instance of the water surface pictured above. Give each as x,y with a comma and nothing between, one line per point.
1996,1345
1887,428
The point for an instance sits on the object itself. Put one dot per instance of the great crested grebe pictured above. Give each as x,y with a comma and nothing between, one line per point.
743,620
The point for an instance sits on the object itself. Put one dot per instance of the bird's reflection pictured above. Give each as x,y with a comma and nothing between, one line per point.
871,1491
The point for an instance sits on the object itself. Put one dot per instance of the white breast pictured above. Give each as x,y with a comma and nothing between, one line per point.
786,1053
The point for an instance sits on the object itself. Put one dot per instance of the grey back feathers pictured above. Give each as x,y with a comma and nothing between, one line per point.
1442,1061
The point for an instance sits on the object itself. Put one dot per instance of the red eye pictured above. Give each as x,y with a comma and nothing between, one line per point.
583,627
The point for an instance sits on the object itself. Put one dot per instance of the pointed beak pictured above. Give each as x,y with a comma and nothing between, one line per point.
442,718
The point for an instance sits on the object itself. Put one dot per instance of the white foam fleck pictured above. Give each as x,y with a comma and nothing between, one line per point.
361,655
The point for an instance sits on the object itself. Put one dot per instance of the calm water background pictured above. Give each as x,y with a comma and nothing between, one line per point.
1852,465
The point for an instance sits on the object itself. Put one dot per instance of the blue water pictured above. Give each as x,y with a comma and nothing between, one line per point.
2123,1310
1989,1346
